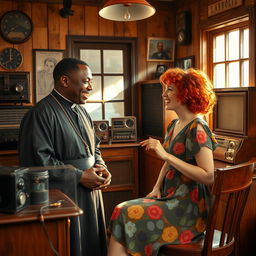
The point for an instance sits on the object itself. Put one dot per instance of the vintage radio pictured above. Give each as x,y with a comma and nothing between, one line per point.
123,129
14,189
10,119
102,130
234,150
14,87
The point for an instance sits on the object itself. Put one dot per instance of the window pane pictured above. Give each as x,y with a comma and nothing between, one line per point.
96,93
95,110
233,74
245,44
114,109
219,76
92,58
219,49
113,61
113,87
245,73
233,45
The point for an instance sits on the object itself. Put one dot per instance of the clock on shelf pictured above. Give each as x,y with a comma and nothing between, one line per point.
183,28
15,27
10,58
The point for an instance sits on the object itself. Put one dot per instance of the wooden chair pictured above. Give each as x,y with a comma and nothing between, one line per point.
232,184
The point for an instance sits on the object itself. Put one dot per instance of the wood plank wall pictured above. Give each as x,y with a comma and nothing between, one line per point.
50,31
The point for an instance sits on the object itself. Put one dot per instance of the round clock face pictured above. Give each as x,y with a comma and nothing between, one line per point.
15,27
10,58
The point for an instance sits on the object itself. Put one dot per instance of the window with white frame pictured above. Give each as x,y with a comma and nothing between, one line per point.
230,58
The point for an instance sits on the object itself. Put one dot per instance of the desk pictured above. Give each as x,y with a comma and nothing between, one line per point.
22,233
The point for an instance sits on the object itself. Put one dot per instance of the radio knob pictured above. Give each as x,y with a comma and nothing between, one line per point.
232,144
22,198
129,123
103,127
19,88
21,183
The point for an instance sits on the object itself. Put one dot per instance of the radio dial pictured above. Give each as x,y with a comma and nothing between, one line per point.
22,198
232,144
21,183
19,88
129,123
103,127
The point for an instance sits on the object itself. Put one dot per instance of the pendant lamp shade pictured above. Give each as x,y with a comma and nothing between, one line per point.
126,10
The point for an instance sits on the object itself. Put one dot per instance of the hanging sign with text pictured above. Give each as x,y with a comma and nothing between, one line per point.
222,6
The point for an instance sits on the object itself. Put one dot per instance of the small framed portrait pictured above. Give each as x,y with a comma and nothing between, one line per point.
160,69
160,49
44,62
185,63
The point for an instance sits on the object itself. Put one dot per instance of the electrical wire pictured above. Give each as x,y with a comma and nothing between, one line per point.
56,204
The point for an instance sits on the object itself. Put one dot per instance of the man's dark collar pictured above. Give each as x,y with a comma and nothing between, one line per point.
61,98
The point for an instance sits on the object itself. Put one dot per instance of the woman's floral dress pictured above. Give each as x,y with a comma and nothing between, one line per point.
143,225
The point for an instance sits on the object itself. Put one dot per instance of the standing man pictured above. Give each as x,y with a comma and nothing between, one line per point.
59,131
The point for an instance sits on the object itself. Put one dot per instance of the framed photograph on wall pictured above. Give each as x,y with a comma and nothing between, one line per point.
160,69
185,63
44,62
160,49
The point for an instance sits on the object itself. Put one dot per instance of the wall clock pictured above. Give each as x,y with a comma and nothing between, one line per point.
10,58
15,27
183,28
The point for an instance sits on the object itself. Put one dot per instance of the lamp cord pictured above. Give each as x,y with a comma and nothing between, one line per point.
56,204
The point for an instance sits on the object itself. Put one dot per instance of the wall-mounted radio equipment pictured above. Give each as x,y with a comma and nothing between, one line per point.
102,130
10,119
14,189
14,87
123,129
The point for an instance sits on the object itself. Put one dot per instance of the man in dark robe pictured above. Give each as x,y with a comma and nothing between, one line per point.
59,131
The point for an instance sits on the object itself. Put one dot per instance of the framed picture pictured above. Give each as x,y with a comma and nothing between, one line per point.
160,69
44,63
185,63
160,49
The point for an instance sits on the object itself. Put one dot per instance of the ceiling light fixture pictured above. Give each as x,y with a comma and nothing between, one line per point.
126,10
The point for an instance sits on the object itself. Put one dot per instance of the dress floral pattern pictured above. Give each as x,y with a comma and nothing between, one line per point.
143,225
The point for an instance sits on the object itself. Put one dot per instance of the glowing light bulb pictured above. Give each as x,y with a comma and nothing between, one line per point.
127,14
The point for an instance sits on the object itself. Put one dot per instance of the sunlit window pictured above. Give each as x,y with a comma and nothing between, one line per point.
107,99
231,58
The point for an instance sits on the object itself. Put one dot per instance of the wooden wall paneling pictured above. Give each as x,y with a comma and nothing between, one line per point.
26,49
5,6
91,21
54,26
119,28
142,49
106,27
153,30
40,26
77,21
63,31
130,29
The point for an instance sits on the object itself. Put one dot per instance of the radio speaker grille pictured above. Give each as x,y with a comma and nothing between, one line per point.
12,116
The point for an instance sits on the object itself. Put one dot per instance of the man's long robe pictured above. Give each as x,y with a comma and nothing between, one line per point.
46,139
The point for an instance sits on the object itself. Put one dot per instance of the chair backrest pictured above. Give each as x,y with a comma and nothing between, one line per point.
232,183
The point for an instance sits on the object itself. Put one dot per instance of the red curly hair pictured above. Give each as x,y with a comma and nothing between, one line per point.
194,88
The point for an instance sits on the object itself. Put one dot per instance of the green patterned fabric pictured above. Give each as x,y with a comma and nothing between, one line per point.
143,225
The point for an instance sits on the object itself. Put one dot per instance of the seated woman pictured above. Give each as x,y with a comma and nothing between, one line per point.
176,210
